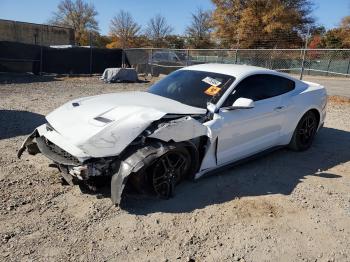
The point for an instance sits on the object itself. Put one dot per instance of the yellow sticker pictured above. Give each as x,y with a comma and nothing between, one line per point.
212,91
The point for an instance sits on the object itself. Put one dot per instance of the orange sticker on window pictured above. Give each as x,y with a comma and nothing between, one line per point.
212,91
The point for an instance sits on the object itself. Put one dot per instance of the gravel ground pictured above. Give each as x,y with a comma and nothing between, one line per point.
285,206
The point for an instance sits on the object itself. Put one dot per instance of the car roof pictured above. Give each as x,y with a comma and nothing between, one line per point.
237,71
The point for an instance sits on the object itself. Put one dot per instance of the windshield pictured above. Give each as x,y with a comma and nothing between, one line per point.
194,88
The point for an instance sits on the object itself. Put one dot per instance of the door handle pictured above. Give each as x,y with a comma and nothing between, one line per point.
279,108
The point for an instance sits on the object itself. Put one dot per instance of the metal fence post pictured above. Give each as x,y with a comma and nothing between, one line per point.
271,59
348,70
329,64
187,57
308,72
41,52
123,57
302,64
236,56
90,40
90,61
304,54
151,61
41,60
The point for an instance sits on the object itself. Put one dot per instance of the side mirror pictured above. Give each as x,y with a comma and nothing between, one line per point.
242,103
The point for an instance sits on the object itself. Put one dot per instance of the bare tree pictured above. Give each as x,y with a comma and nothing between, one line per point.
124,28
78,15
157,29
199,30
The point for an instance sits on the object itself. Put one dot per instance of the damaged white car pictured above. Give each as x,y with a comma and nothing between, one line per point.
193,121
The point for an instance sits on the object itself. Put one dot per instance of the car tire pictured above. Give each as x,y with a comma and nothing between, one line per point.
304,133
169,170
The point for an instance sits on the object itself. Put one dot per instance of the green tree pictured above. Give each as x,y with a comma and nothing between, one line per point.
199,31
157,29
175,41
338,37
332,39
345,27
78,15
102,41
123,30
316,34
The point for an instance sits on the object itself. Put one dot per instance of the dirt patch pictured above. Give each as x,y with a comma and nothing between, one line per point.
339,100
285,206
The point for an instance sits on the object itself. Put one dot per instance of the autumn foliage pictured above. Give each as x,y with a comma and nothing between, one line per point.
231,24
261,23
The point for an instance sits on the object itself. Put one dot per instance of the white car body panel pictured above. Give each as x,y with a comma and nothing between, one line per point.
181,130
280,115
246,131
232,135
63,143
130,113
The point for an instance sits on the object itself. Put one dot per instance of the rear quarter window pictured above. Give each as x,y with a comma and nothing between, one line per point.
277,85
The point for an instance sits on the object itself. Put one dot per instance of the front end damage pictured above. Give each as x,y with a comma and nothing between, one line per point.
73,168
77,166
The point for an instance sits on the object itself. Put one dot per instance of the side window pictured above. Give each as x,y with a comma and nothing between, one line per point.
259,87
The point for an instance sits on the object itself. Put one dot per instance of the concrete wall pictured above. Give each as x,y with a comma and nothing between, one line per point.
35,33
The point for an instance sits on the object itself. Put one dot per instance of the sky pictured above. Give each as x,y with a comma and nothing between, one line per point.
177,12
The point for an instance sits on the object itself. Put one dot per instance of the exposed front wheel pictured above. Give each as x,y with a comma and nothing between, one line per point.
305,132
169,170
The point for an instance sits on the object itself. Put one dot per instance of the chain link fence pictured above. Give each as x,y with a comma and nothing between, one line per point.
324,62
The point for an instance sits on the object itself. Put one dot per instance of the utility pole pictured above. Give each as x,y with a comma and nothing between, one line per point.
304,53
237,47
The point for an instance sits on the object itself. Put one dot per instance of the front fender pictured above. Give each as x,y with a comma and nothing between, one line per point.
182,129
132,162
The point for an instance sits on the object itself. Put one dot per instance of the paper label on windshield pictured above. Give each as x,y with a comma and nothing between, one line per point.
212,91
211,81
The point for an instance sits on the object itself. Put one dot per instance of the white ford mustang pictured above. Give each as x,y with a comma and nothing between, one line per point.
193,121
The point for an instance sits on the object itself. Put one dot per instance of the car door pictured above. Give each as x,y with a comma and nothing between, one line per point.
245,132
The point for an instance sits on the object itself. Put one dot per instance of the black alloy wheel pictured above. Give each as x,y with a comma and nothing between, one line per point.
169,170
305,132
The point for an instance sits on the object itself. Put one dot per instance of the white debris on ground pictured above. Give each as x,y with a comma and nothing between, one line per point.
112,75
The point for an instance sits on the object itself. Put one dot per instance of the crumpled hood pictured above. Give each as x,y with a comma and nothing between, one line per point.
104,125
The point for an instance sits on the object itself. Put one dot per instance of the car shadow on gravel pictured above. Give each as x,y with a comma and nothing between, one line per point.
18,78
18,123
276,173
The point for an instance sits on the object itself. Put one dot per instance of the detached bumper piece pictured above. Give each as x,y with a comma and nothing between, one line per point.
29,145
47,148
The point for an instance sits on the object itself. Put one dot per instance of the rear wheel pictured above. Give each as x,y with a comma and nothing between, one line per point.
169,170
305,132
